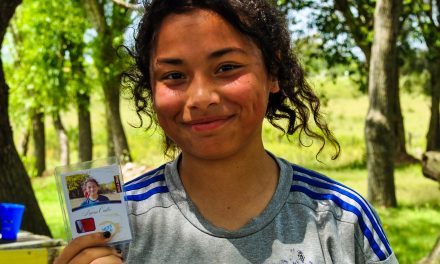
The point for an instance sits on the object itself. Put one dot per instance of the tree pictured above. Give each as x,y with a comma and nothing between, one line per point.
379,125
428,18
85,142
343,26
14,181
39,138
49,45
110,22
32,113
30,97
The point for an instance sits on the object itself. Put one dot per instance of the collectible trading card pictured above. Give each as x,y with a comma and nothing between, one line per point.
92,199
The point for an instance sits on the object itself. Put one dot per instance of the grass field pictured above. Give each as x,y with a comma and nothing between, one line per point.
412,227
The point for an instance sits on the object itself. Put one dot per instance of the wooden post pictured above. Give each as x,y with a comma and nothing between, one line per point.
431,170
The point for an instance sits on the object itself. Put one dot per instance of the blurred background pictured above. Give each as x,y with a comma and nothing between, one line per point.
64,103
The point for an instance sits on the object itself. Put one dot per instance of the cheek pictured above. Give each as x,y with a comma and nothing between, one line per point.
166,102
250,93
168,105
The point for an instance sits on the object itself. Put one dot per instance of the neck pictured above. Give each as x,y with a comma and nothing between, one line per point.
93,197
243,167
230,191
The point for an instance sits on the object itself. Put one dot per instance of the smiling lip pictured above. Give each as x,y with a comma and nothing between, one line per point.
207,124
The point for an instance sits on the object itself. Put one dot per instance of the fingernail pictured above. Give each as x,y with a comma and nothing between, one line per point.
106,234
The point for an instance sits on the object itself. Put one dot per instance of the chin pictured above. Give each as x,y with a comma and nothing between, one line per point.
211,153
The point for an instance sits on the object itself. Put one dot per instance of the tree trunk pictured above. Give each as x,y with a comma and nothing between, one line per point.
15,185
399,131
39,142
24,143
63,139
111,91
110,65
433,136
85,139
401,154
85,148
110,142
379,129
111,86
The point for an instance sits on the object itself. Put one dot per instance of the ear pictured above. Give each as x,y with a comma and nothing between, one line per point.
274,86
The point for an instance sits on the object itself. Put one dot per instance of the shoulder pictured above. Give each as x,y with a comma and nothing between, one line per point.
145,185
147,191
321,193
330,194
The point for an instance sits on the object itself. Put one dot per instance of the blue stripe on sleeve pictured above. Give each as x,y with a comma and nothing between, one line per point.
348,207
365,205
145,183
372,219
146,174
148,194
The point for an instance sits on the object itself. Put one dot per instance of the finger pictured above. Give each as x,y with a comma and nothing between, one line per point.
108,260
80,243
90,255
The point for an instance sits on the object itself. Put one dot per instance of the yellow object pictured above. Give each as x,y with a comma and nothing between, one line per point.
30,248
30,255
24,256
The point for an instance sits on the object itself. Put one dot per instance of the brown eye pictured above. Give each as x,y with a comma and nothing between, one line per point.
227,67
173,76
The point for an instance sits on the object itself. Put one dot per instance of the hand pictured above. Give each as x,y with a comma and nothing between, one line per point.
90,249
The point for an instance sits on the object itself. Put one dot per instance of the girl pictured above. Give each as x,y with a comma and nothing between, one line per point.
209,72
91,193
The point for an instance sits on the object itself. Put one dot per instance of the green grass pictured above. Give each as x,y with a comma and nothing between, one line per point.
412,231
412,227
47,196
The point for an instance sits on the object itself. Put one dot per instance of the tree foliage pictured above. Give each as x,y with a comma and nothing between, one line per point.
110,22
428,18
345,30
74,181
48,53
14,181
45,33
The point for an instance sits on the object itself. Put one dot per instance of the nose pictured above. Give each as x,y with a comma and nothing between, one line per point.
202,94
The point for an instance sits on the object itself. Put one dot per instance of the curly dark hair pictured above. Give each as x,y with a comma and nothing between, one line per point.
87,180
267,27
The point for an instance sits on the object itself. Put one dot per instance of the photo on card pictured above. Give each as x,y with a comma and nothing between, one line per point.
92,199
86,191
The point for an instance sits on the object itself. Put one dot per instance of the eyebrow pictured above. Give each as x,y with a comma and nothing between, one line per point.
222,52
214,55
170,61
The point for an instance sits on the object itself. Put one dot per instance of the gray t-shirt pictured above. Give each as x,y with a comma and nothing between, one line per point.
310,219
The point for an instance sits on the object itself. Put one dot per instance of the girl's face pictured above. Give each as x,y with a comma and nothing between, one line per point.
92,189
210,85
